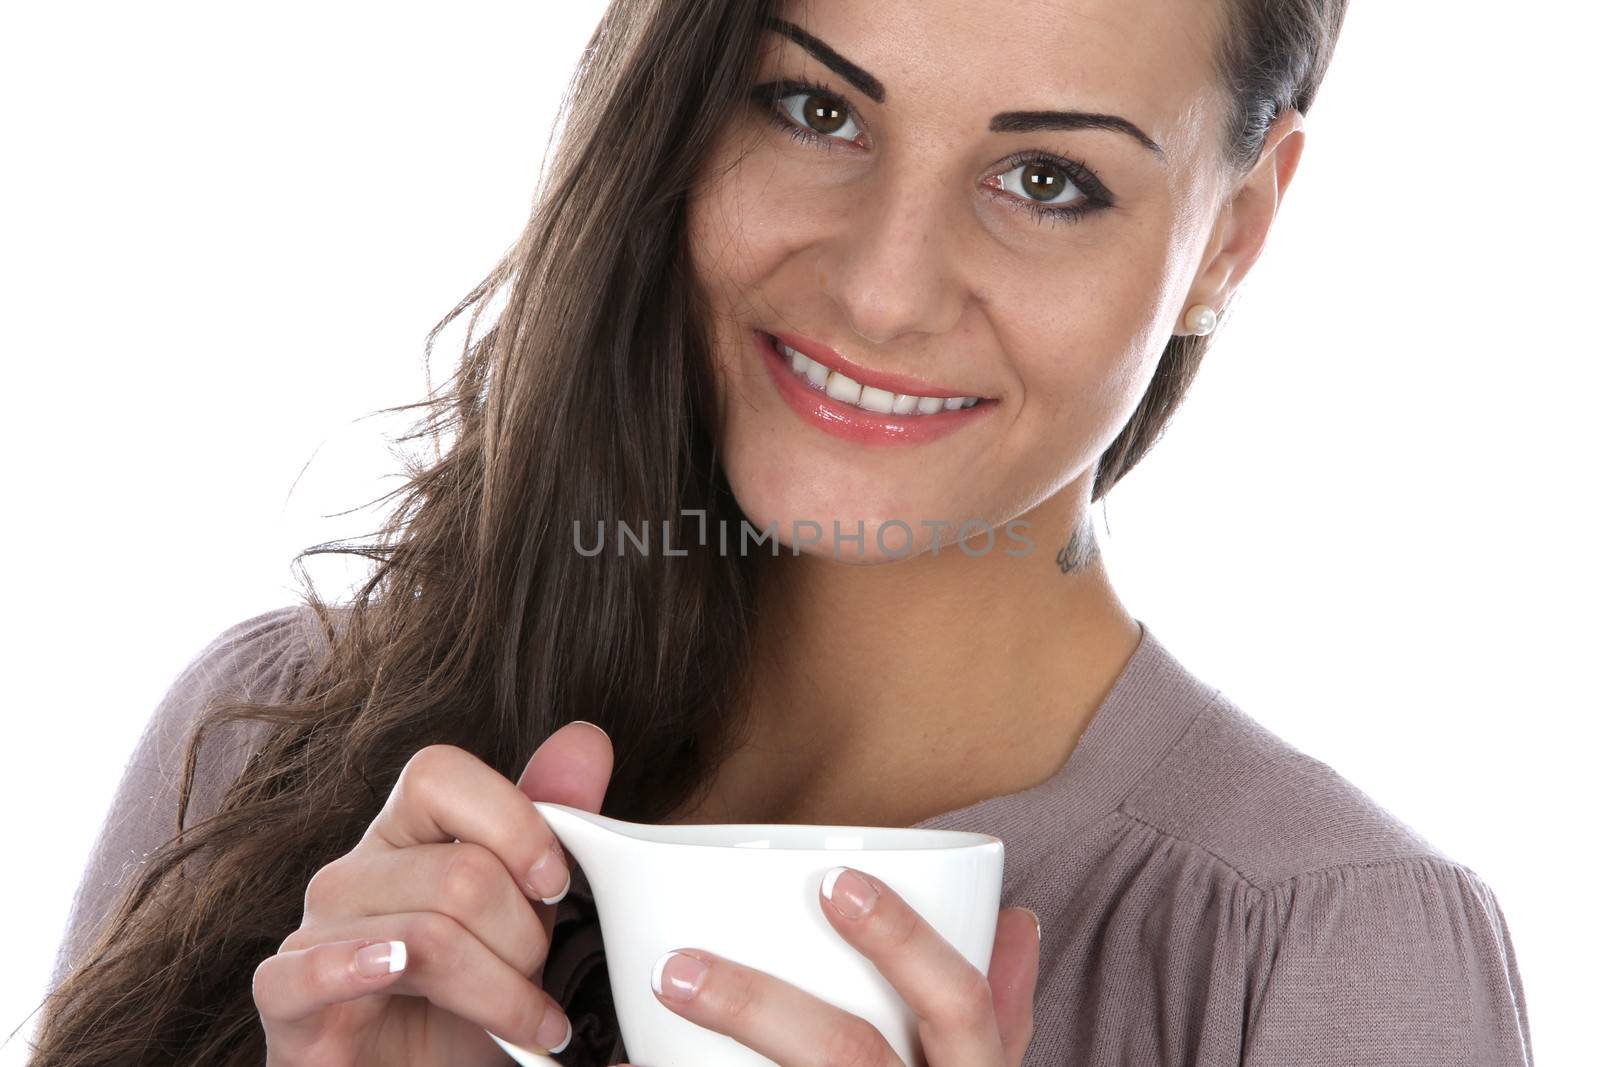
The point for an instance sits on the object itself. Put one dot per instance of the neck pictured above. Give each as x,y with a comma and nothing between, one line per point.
885,694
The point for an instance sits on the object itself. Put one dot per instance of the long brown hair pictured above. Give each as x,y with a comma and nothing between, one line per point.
587,399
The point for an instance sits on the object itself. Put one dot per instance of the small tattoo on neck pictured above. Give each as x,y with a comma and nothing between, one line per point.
1081,550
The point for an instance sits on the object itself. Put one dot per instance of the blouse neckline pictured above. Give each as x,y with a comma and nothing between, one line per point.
1151,703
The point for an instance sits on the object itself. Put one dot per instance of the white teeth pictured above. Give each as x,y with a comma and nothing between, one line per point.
879,400
841,388
849,391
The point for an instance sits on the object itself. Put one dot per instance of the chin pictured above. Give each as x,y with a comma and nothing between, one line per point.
891,526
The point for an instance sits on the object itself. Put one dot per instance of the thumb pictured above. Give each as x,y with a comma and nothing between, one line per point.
1013,977
572,767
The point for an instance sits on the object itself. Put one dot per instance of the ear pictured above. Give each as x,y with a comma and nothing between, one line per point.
1240,233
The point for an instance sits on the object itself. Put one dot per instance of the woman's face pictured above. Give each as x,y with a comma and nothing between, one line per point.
887,220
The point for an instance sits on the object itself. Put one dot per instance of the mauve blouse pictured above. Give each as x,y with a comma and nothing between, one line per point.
1208,894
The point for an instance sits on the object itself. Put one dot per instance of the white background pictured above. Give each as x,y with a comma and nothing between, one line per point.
227,228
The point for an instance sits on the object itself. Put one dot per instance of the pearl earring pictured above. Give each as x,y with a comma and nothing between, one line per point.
1200,319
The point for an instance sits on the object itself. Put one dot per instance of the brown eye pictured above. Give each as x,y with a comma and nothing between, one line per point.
823,113
819,113
1041,182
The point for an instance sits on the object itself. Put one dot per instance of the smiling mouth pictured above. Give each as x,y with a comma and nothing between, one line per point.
846,390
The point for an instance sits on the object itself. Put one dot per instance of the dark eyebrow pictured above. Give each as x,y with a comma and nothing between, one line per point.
1023,121
860,79
1004,122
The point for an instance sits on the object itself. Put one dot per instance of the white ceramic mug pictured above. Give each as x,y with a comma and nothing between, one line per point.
750,892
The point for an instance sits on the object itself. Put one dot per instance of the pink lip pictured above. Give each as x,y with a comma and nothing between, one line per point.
893,383
856,424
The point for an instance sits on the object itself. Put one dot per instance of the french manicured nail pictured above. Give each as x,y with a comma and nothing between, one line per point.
548,877
677,976
852,895
386,957
555,1030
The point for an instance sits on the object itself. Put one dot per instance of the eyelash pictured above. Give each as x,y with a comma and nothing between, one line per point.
1096,195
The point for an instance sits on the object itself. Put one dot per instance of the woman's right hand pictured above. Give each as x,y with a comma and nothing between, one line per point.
451,867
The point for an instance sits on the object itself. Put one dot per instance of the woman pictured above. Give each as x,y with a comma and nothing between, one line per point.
882,280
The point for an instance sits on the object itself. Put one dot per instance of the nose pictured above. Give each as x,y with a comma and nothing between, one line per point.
890,267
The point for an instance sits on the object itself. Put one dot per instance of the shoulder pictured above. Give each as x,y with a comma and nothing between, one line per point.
256,659
1267,810
1360,941
254,656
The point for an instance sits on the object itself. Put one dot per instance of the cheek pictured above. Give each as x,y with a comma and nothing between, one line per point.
722,269
746,242
739,230
1084,351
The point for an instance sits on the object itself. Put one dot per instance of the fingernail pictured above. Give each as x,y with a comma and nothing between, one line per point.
1038,927
677,976
850,894
386,957
586,722
548,878
555,1030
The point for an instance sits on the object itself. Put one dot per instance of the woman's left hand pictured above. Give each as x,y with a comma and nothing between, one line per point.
964,1017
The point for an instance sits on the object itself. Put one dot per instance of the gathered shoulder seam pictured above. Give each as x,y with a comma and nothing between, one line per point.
1434,860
